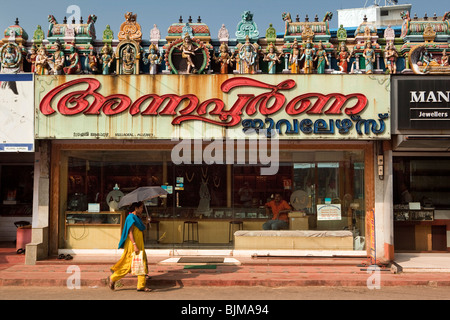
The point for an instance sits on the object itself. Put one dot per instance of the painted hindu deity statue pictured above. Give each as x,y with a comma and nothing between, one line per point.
223,34
444,59
247,58
294,56
74,66
31,58
12,50
224,58
155,35
343,57
128,57
273,58
153,59
427,61
106,59
424,43
92,62
188,49
188,52
369,57
308,56
321,57
58,59
42,65
11,58
390,57
128,51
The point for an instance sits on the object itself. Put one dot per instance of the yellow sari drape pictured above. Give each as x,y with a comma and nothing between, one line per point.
123,266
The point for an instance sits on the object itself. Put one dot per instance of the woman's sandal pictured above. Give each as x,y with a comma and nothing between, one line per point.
111,284
145,290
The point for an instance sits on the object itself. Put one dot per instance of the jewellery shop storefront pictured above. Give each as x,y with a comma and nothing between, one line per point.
421,163
16,157
202,138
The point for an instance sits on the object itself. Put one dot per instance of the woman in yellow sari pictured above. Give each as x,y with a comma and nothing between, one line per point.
132,240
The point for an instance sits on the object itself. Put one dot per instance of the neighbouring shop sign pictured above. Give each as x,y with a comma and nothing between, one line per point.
423,103
16,113
226,106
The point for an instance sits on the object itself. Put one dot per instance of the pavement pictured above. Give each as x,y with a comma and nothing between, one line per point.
427,269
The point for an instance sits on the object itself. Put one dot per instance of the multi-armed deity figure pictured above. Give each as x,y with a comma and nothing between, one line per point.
308,55
11,58
273,58
224,58
247,58
128,60
343,57
321,57
391,56
188,53
427,59
153,59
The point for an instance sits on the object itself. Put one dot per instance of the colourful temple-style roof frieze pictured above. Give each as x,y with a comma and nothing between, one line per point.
419,45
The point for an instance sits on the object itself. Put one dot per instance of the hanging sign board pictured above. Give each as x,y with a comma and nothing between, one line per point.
326,212
16,113
423,103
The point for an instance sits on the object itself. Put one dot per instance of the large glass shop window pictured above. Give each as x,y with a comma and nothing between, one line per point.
16,190
425,181
324,188
329,188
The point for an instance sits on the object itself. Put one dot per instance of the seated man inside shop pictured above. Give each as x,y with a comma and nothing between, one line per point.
280,209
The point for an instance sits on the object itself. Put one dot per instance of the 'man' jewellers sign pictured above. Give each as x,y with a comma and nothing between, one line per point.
423,104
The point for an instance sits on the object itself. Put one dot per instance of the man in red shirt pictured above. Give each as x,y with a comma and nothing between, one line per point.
280,209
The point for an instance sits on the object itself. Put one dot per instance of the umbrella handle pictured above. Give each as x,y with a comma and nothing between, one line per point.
146,212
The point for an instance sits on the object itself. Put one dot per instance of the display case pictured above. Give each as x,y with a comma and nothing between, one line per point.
405,213
222,213
89,230
94,218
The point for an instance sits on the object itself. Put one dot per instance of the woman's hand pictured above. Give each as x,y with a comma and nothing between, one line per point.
136,249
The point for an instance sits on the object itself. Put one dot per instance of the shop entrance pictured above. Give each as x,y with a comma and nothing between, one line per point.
421,204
